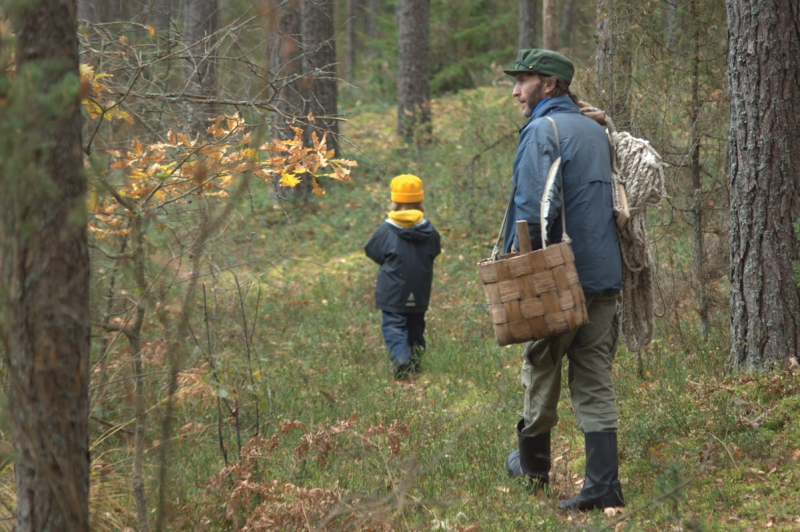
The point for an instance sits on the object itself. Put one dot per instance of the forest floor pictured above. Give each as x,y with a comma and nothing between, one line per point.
318,435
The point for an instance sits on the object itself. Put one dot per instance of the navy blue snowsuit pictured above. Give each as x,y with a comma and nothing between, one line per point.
404,283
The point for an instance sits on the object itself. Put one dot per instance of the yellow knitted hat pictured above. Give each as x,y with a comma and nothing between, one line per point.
407,188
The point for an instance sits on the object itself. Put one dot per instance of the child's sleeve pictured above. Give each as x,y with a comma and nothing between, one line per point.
437,244
375,248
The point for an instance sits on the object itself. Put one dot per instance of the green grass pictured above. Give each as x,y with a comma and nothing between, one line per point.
323,362
429,455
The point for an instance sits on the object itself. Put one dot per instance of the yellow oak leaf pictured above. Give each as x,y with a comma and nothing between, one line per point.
289,180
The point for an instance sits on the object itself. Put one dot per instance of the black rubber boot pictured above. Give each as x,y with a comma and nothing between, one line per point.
601,487
532,459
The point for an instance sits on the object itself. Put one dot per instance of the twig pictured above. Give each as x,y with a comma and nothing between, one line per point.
247,339
118,428
216,380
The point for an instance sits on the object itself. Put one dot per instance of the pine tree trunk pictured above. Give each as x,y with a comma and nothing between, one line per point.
373,9
45,266
697,176
669,15
566,21
764,74
350,65
316,25
527,24
550,24
413,84
285,66
613,65
200,70
100,11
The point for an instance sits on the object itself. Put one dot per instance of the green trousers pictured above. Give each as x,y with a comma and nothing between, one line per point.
590,350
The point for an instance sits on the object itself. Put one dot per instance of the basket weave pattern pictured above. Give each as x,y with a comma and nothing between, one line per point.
533,295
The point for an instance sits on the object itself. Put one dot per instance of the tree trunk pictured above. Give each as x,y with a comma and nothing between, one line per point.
413,85
285,60
669,15
697,176
319,65
45,323
285,66
527,24
550,24
566,21
764,75
137,366
351,40
613,65
102,10
200,70
373,28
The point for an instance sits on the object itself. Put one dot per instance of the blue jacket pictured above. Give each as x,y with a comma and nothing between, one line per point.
586,174
406,259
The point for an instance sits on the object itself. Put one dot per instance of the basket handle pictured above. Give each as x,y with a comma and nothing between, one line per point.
523,237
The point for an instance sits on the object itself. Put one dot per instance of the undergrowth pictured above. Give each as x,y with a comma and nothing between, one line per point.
290,419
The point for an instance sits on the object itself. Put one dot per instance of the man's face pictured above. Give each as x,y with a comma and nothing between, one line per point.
529,90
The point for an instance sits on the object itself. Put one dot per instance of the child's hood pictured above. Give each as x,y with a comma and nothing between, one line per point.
419,232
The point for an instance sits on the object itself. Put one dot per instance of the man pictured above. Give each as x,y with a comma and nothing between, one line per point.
542,88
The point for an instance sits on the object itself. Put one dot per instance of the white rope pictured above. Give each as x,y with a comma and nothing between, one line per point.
639,168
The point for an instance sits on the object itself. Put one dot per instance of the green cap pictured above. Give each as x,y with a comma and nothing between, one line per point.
547,62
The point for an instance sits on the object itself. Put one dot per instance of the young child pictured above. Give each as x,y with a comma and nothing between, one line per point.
404,246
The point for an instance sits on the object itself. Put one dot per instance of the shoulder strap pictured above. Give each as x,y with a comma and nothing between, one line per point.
496,250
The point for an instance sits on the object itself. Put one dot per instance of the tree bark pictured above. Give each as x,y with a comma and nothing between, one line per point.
550,24
351,40
613,65
413,83
285,63
698,202
200,70
137,366
527,24
669,15
764,76
102,10
319,65
374,8
45,267
566,21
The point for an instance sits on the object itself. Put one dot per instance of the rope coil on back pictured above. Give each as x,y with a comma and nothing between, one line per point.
636,165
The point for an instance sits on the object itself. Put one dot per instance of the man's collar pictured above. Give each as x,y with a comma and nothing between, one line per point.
559,103
539,105
535,110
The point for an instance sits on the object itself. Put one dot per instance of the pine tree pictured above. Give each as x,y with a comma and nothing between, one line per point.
45,271
319,65
413,83
763,66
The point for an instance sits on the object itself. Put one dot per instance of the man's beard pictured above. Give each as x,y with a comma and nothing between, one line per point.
533,100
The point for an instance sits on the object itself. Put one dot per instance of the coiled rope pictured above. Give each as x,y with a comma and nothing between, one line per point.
639,168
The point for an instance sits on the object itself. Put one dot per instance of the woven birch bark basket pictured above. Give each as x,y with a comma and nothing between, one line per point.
533,294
